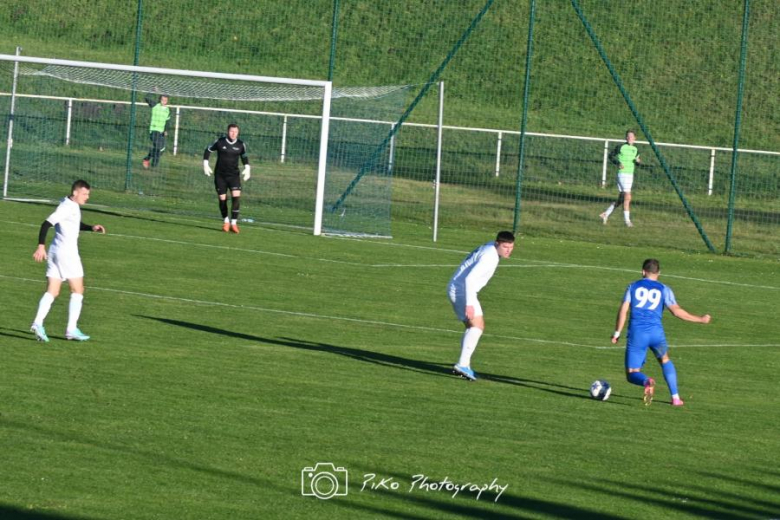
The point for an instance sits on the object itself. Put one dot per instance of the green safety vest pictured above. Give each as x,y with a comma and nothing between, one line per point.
626,156
160,116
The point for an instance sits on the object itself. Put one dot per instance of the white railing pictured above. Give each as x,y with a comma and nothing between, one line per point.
500,134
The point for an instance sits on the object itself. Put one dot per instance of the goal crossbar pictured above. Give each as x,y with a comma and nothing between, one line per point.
158,70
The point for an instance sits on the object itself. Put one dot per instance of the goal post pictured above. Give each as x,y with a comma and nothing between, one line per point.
72,119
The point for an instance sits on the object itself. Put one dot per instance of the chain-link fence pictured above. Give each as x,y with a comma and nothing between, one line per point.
678,73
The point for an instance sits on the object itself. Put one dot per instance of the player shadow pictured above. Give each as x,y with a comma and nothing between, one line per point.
18,334
9,512
111,213
545,386
26,334
378,358
382,359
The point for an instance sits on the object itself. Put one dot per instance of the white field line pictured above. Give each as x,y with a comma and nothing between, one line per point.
551,265
388,324
368,322
534,264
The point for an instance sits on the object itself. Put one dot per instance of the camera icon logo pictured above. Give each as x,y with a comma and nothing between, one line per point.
324,481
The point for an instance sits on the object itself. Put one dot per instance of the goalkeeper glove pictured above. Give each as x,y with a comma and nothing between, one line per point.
206,168
245,173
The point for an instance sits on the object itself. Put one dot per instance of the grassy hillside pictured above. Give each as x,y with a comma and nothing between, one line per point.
680,68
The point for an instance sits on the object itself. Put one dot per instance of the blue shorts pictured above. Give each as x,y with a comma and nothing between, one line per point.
639,342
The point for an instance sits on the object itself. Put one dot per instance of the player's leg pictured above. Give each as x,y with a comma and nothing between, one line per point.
149,155
221,186
74,309
627,210
154,153
636,352
607,212
235,207
158,146
625,182
471,334
669,371
44,306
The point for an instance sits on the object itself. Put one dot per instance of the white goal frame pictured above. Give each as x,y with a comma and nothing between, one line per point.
327,87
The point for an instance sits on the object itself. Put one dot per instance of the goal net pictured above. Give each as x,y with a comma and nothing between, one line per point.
66,120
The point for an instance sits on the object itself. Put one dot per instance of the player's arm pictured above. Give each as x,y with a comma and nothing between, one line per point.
150,100
206,154
613,155
620,322
476,280
40,252
96,228
684,315
245,161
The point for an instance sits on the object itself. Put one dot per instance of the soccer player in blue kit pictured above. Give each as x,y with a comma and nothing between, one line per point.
647,299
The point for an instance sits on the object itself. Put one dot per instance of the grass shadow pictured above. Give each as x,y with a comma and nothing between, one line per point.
380,358
17,334
684,499
9,512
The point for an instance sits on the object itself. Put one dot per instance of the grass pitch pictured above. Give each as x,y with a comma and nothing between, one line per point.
221,366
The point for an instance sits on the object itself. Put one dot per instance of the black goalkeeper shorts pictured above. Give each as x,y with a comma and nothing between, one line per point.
225,183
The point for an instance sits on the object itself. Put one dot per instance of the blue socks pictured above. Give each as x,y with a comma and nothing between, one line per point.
670,374
637,378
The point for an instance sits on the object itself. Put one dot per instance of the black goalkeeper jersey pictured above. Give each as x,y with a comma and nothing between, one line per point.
228,154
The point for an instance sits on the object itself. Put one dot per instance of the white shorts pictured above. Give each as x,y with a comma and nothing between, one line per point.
457,297
64,265
625,181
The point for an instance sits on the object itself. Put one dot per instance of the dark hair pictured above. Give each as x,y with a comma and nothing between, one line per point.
505,237
80,184
651,265
232,125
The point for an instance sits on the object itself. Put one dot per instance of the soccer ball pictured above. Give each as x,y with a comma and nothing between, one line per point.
600,390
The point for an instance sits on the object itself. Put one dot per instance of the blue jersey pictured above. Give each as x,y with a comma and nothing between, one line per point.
648,300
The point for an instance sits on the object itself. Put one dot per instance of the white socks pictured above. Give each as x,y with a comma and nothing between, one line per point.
627,216
609,210
468,344
44,306
74,311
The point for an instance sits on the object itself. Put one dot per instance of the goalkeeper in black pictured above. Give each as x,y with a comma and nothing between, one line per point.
226,175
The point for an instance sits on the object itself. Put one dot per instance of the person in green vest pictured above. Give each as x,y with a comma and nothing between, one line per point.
161,113
625,156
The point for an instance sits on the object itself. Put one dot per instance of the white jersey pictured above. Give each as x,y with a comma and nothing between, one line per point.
475,272
67,223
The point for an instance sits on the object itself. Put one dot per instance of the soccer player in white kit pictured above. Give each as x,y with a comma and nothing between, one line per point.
63,260
471,276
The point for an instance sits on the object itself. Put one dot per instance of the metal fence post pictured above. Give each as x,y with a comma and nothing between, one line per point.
498,153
